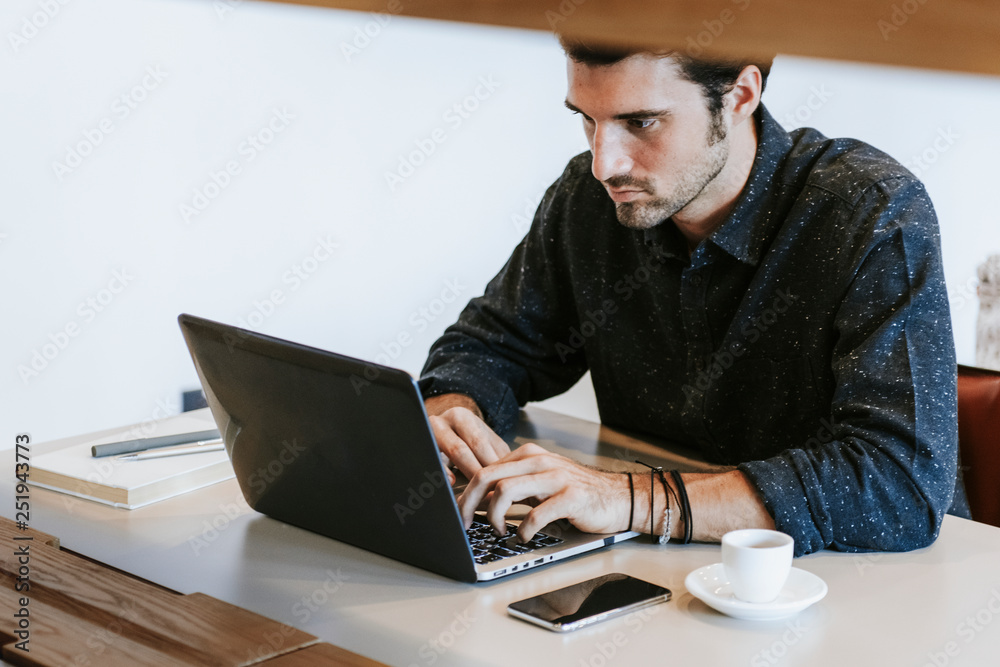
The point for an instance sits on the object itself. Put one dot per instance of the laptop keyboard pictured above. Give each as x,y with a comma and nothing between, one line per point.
488,547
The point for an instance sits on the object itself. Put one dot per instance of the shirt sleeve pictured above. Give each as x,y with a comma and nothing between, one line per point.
885,477
509,345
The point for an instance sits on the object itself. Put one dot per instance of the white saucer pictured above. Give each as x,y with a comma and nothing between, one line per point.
709,584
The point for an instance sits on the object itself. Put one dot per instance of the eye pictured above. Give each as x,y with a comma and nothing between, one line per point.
641,123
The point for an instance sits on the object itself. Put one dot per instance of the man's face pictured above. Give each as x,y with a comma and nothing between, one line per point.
654,144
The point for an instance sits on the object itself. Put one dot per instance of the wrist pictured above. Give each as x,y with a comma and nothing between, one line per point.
436,405
660,498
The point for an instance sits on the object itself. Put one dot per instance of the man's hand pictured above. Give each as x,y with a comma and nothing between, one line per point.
593,500
462,436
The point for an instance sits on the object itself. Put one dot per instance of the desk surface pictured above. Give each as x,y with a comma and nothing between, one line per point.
934,606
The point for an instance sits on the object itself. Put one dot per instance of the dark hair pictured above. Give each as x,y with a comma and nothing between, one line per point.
716,77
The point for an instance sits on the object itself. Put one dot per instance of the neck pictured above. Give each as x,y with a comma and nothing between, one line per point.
708,210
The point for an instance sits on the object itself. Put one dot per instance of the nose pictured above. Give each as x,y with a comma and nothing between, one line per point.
610,154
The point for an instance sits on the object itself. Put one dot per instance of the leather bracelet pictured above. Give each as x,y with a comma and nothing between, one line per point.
685,505
652,494
631,500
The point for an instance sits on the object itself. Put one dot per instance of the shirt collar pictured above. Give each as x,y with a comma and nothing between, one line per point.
747,230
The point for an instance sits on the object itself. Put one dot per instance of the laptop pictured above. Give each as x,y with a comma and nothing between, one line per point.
342,447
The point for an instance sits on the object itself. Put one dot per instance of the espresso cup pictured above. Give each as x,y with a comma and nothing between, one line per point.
757,563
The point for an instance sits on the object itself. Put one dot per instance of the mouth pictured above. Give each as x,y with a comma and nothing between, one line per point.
621,195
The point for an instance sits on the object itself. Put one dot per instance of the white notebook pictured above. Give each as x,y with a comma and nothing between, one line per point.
127,484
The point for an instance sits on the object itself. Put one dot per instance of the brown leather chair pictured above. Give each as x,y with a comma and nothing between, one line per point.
979,440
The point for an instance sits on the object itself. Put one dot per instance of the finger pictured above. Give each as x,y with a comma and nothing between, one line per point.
549,510
485,444
455,448
510,490
531,449
484,480
446,465
467,440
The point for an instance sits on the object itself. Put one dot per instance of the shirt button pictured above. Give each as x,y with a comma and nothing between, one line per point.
695,280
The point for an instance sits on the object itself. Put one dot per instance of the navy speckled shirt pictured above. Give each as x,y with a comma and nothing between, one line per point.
807,340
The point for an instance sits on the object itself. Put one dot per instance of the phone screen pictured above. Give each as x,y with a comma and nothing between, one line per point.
588,602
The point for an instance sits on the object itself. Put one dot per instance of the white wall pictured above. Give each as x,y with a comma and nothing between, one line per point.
199,78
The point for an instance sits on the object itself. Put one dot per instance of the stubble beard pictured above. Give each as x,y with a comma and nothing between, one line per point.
650,213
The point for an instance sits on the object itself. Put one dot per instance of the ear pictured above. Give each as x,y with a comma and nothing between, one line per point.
744,98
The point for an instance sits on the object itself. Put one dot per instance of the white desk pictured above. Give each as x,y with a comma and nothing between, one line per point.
882,609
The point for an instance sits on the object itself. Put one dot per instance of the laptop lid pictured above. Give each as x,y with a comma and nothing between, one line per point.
331,444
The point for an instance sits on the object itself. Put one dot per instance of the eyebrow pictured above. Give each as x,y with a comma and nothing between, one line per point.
631,115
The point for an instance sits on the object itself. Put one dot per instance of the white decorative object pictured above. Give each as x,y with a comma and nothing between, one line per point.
988,326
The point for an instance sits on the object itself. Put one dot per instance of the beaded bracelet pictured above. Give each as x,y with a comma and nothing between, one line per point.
667,514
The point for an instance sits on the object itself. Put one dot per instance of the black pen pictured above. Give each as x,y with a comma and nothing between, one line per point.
142,444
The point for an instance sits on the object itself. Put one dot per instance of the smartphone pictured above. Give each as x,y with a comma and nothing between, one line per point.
587,602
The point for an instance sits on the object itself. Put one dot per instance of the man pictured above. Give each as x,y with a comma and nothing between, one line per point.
775,301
